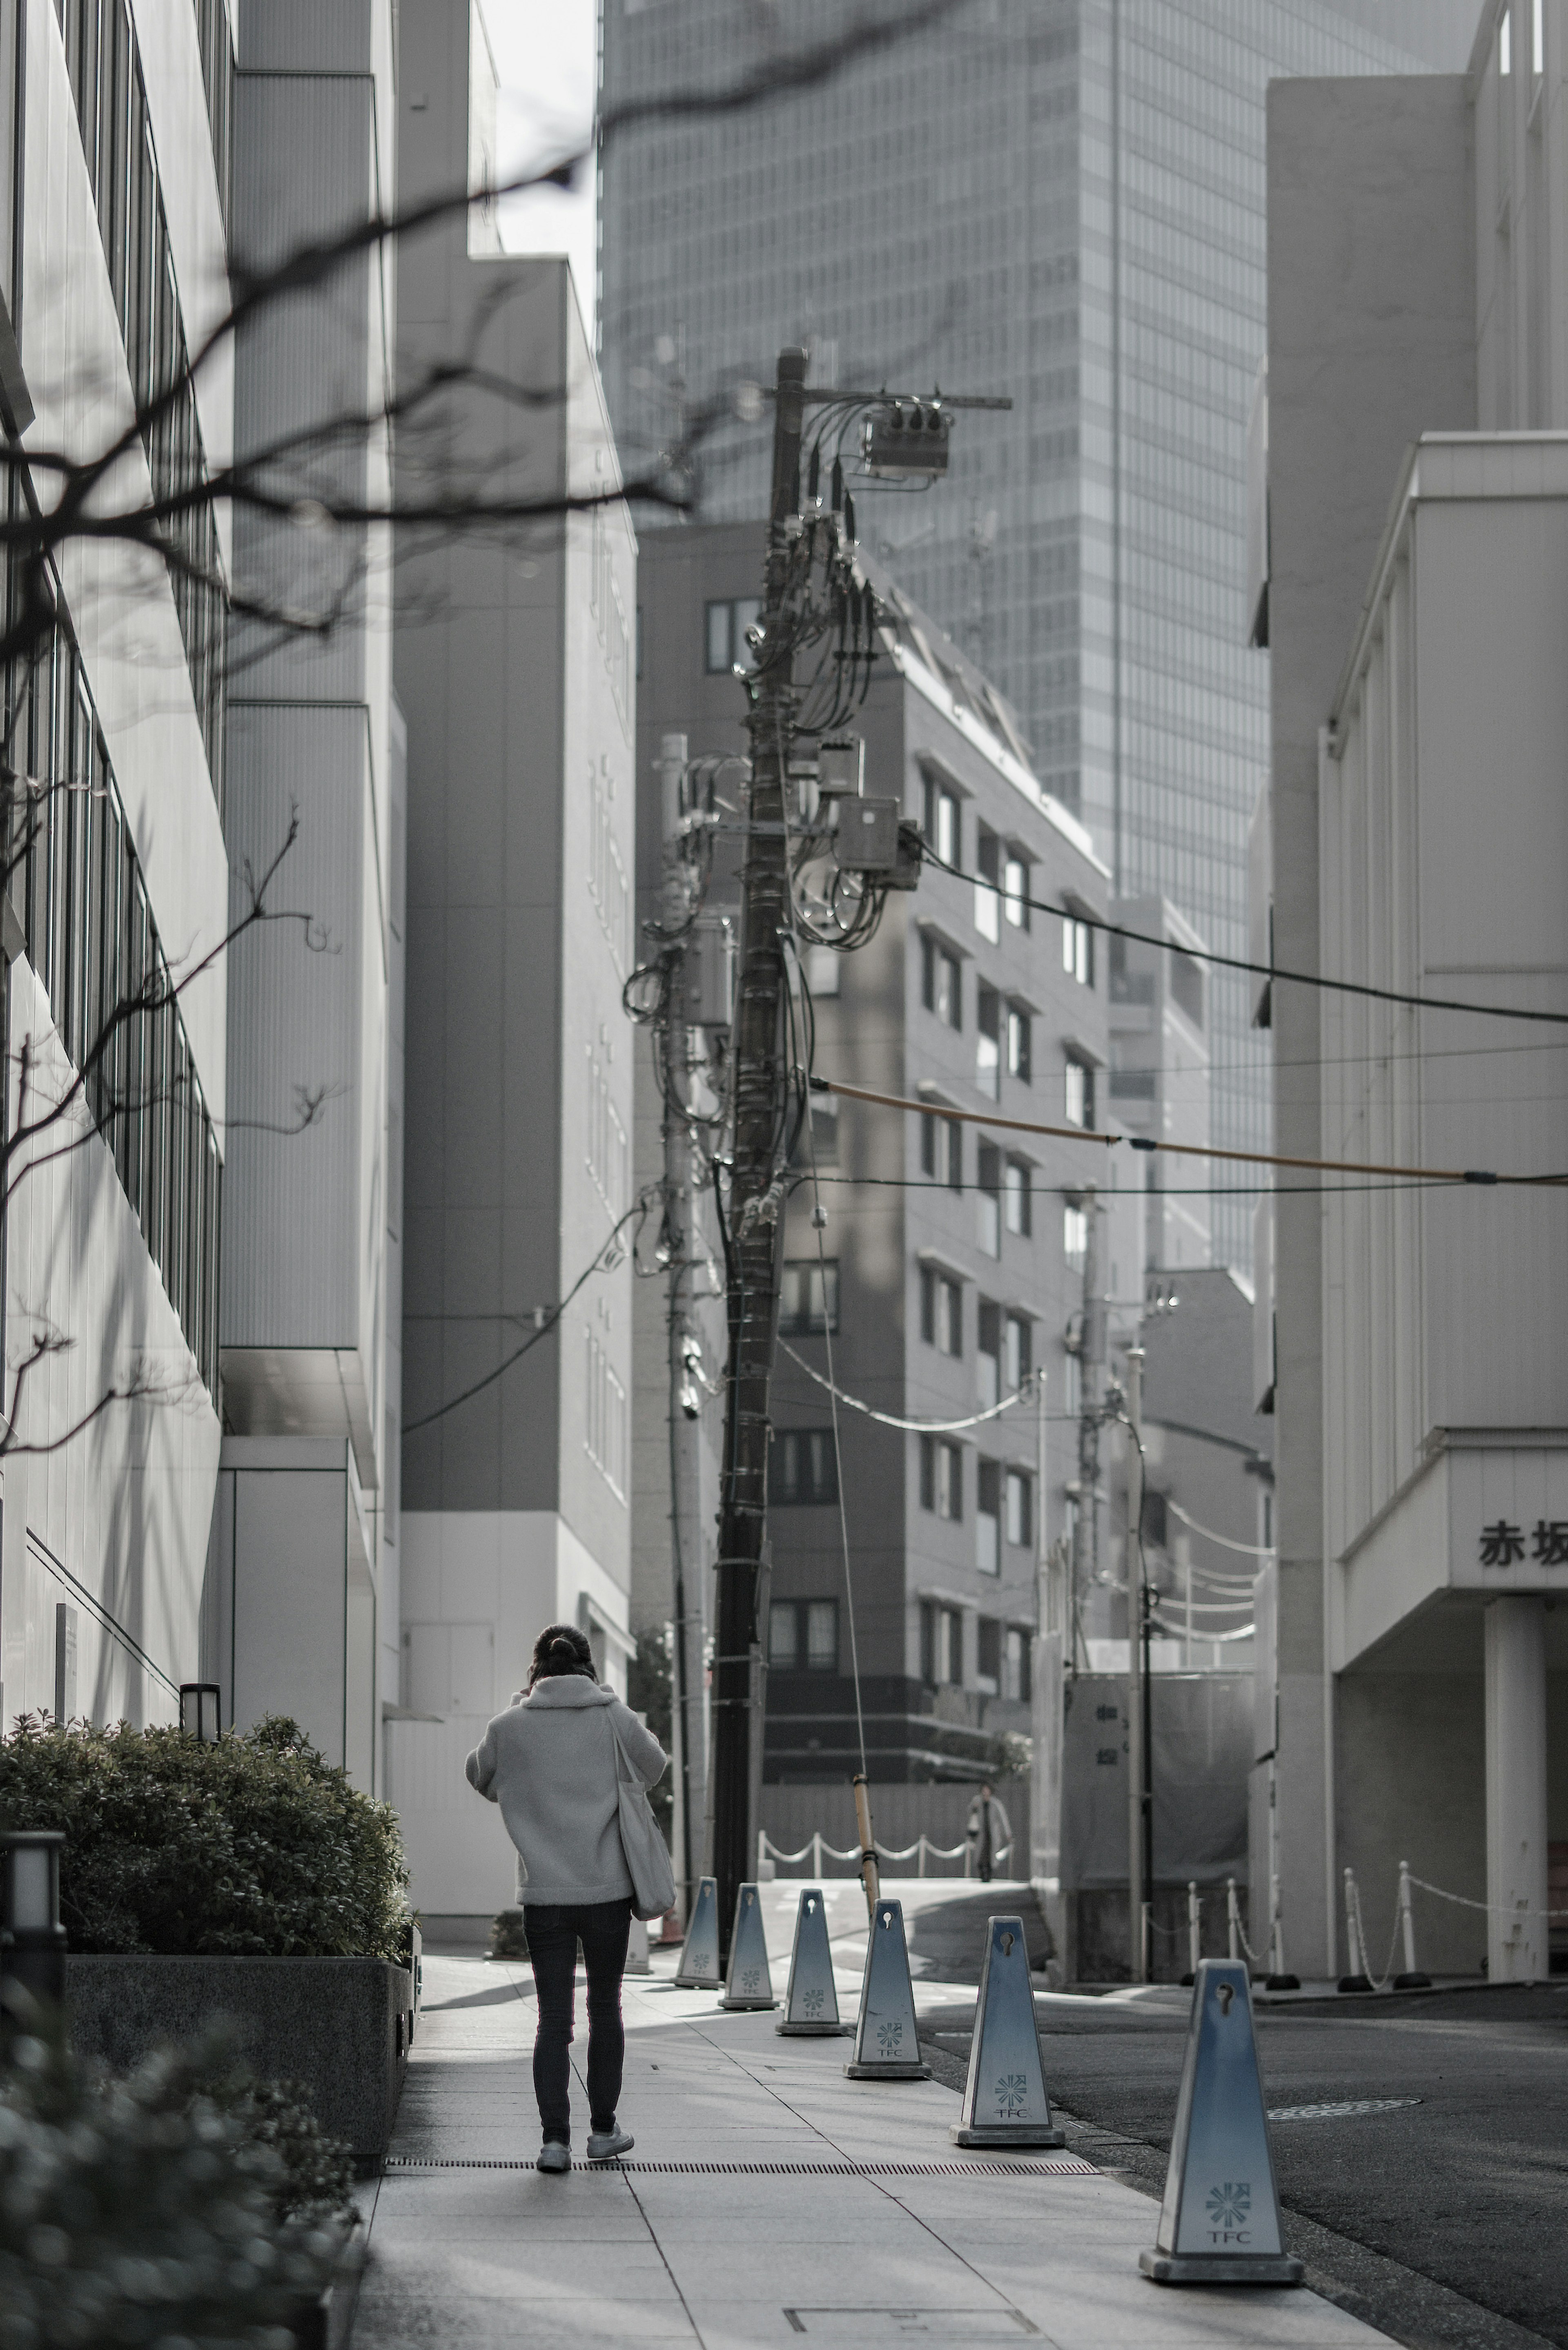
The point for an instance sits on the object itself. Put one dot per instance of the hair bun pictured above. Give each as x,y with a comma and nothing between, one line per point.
565,1646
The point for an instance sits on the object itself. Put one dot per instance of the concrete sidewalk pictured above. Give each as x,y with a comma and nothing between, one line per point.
834,2210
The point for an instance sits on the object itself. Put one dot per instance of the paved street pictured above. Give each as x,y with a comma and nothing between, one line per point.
896,2238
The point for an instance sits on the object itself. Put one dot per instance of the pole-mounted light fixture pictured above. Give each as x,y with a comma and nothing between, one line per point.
201,1710
32,1939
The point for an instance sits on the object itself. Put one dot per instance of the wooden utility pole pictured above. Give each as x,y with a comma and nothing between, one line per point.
756,1197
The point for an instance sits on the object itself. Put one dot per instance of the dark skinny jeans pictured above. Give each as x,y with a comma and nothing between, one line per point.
553,1932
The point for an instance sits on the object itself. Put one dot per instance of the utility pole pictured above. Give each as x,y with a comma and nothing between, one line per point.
1091,1363
1140,1875
755,1198
679,1244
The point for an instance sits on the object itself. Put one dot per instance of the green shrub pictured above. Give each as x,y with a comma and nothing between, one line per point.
316,2173
254,1846
141,2211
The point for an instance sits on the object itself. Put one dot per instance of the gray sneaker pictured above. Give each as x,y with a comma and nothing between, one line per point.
605,2145
554,2157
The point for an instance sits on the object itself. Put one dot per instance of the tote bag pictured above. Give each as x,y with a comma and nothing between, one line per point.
647,1855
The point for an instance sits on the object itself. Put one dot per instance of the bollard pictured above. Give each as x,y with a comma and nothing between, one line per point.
699,1968
817,1853
1280,1975
1412,1978
1220,2221
748,1984
1232,1922
887,2045
811,2001
1357,1981
1194,1931
1004,2100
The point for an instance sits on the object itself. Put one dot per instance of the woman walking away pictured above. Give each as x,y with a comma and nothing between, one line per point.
989,1832
551,1761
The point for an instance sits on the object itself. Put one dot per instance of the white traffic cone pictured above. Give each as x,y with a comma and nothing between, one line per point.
747,1984
1220,2221
1004,2100
811,2002
699,1968
887,2046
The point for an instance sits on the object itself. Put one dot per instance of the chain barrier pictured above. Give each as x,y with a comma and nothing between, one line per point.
819,1849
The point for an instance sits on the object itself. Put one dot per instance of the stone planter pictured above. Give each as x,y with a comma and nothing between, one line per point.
340,2027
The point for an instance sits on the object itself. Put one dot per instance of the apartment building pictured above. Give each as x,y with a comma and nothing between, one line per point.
954,1252
114,159
1417,489
513,662
304,1615
1064,200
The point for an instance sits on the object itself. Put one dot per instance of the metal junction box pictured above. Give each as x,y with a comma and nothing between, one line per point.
867,840
906,441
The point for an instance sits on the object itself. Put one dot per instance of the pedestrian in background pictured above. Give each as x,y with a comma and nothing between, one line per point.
989,1831
553,1761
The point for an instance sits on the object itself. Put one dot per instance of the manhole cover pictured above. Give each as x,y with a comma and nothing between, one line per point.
956,2326
1332,2112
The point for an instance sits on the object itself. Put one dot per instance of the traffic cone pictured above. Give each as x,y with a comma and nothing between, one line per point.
699,1968
811,2002
1004,2100
1220,2221
748,1983
887,2047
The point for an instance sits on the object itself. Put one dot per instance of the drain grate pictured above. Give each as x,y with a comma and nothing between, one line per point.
1332,2112
1060,2166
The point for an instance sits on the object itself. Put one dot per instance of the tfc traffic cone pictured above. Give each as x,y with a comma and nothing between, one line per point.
811,2002
1004,2100
699,1968
748,1983
1220,2221
887,2047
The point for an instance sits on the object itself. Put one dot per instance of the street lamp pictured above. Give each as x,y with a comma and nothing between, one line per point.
199,1710
32,1939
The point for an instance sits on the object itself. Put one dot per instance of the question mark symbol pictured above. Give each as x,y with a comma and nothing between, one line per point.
1225,1993
1007,1946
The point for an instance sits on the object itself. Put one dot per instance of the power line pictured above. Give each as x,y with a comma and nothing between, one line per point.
1239,962
913,1427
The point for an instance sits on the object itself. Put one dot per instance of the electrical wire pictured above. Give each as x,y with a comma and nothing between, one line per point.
913,1427
1250,1550
1259,970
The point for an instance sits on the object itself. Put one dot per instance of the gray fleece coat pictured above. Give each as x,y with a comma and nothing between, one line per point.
549,1760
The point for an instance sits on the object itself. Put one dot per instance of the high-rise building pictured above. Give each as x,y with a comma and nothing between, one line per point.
114,163
1060,200
515,662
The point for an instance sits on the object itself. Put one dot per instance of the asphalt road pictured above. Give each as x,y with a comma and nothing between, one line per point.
1442,2222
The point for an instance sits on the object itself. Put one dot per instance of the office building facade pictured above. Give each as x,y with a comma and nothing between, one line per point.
515,662
111,273
1062,201
1418,410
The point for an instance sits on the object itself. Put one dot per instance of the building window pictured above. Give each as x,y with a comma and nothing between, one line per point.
1130,1084
988,885
941,1150
941,983
1018,1352
1017,1198
1019,1033
805,1286
941,822
606,1434
1016,1682
608,885
1187,987
942,1311
941,1646
988,1198
988,1517
1019,1497
988,1043
606,1158
988,1355
941,1478
801,1467
1015,891
1078,950
1078,1092
987,1655
725,626
1075,1236
1128,987
803,1636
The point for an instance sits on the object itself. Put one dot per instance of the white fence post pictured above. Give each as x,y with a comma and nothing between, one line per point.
1194,1929
1232,1919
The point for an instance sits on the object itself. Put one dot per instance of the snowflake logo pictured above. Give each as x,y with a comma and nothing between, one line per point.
888,2037
1230,2205
812,2002
1011,2094
750,1978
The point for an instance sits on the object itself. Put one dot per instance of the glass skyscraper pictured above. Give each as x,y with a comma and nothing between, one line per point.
1062,200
